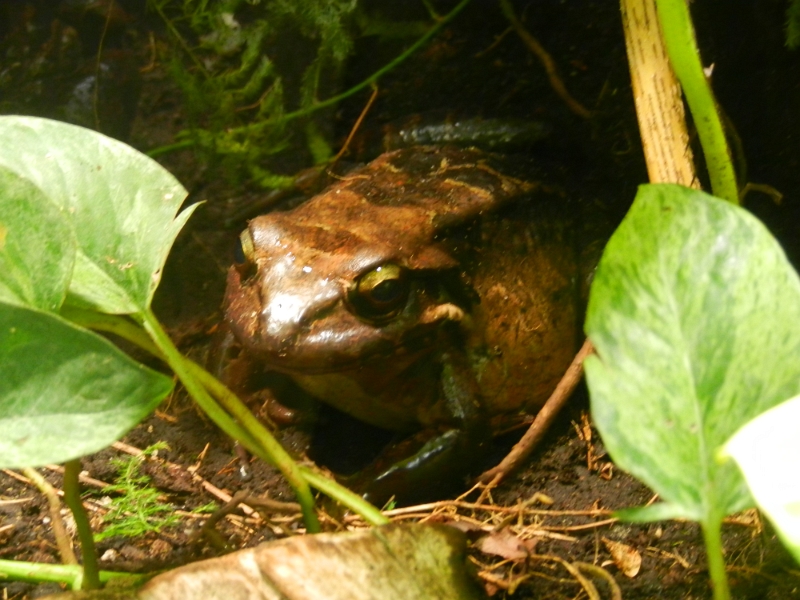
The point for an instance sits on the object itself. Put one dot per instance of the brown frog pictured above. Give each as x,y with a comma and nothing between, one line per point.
426,291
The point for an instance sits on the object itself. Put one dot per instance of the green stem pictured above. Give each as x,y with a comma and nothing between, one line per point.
180,39
69,574
248,430
345,497
230,402
676,26
182,145
375,76
254,427
72,498
132,332
117,324
255,127
272,452
712,536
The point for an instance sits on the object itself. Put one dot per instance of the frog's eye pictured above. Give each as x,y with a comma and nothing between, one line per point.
244,254
381,293
245,249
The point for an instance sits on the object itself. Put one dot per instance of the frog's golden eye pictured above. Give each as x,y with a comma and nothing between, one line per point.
245,249
382,292
244,254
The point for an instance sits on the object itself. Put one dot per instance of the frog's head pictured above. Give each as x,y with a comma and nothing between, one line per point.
363,271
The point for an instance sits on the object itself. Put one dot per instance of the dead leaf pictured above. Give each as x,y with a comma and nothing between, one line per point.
506,545
626,558
394,562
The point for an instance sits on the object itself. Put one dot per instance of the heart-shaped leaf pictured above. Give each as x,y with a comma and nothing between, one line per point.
64,391
695,315
121,204
37,246
767,450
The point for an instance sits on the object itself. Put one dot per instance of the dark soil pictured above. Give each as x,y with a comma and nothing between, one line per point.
469,70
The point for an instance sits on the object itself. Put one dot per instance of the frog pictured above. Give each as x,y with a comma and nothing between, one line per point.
434,292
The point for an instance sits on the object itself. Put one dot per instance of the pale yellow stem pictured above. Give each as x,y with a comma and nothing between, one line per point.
657,95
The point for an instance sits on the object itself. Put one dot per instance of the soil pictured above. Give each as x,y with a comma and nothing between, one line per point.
473,68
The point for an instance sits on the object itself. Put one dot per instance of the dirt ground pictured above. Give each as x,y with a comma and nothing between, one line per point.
563,497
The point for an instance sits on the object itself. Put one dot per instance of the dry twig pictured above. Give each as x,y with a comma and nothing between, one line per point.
63,540
547,61
542,422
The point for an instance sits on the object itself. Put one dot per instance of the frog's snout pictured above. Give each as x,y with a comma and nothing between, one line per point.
282,316
286,318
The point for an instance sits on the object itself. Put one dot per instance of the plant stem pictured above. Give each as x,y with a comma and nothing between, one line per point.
182,42
712,536
56,522
68,574
264,446
657,95
332,100
377,74
676,26
117,324
248,431
323,483
345,497
72,498
132,332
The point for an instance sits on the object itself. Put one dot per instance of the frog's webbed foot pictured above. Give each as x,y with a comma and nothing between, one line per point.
438,466
435,470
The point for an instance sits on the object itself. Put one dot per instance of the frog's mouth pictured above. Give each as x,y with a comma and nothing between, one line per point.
330,338
360,347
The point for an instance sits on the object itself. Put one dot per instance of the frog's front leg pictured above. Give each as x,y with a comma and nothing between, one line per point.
272,396
443,460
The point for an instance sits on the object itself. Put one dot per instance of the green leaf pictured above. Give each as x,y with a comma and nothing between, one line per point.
767,450
64,391
793,24
695,315
37,246
122,205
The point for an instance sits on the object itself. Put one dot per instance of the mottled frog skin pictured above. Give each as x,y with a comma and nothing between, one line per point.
426,291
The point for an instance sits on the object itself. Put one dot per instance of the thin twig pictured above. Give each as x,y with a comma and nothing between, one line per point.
547,61
63,540
601,573
303,112
543,419
244,499
493,508
588,586
84,479
357,124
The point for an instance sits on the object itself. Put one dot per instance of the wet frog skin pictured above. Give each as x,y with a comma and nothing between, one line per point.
424,292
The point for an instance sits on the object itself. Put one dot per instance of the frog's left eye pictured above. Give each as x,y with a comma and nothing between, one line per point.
382,292
245,249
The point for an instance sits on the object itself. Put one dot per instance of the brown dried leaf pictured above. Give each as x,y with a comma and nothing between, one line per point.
626,558
505,545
